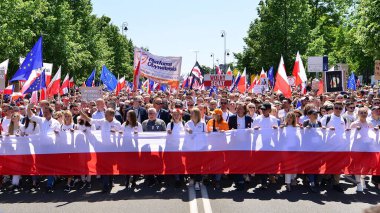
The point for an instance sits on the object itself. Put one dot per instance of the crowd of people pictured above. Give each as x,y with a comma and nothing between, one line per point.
192,111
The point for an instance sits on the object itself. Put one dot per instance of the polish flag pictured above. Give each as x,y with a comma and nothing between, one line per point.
218,70
294,153
282,82
8,90
65,85
136,76
71,82
34,98
242,85
299,71
32,77
54,86
229,71
120,85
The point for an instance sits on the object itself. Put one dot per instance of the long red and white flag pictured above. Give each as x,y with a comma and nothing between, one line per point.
71,82
54,86
282,83
65,85
288,150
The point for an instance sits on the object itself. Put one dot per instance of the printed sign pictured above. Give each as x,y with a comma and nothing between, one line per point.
315,64
258,89
334,81
217,80
91,93
158,68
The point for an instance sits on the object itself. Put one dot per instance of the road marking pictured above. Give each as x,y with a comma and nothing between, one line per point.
205,199
192,199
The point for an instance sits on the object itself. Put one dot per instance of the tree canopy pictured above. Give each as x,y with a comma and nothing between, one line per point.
72,36
348,31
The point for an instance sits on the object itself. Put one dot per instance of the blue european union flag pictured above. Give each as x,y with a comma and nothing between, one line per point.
271,76
33,61
351,82
163,87
108,79
38,84
90,80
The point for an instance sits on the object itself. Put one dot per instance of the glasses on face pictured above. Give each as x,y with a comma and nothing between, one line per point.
376,103
363,113
159,103
338,108
223,103
351,107
151,113
15,116
297,115
190,105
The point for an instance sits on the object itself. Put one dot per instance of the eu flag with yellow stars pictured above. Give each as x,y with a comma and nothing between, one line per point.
38,84
33,61
108,78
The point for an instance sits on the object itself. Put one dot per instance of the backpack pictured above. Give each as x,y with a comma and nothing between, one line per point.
307,122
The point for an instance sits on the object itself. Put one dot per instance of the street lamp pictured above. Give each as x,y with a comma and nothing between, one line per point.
124,28
224,36
213,62
196,54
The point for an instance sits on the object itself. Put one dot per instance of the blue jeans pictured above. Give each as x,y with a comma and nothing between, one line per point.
50,181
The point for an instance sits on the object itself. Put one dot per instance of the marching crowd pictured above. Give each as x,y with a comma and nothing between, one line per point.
191,111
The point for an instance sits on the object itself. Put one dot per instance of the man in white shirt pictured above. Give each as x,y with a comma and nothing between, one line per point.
99,114
106,124
335,122
224,107
47,124
265,121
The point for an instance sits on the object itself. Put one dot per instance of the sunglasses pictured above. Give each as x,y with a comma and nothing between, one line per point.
190,105
363,113
223,102
158,103
338,108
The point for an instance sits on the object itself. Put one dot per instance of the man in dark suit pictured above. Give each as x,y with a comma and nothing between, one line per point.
140,111
239,121
161,113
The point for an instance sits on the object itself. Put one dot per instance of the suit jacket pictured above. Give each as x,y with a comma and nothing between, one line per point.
140,112
164,115
232,121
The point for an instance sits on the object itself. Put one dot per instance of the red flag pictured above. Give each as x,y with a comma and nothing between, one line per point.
54,86
282,83
65,85
8,90
136,76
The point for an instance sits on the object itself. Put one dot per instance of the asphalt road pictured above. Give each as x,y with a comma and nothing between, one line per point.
166,198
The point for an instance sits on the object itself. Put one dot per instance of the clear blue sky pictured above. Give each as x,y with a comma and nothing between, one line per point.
176,28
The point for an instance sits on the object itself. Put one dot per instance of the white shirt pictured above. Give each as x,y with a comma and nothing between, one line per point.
107,126
46,126
5,125
30,130
177,127
129,129
98,115
336,122
226,115
200,127
240,122
65,127
265,122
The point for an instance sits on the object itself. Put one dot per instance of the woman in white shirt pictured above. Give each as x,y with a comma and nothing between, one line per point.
131,126
361,124
291,124
195,125
175,127
14,129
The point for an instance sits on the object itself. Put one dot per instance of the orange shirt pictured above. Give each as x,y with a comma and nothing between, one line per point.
218,126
